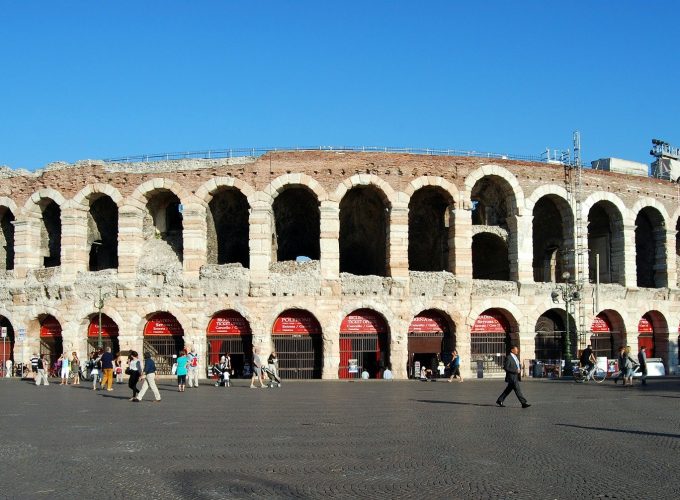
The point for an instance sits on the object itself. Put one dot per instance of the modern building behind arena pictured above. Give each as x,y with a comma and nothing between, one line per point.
343,261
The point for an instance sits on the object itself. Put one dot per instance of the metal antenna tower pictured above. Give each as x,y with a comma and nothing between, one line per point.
573,173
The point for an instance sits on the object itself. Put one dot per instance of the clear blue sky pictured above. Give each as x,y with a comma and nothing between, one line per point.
97,79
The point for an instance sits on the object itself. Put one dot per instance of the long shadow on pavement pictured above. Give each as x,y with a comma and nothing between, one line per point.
625,431
433,401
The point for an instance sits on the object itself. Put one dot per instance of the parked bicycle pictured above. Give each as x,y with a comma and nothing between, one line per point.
582,374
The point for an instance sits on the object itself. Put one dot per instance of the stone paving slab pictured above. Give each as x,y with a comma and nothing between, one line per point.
342,440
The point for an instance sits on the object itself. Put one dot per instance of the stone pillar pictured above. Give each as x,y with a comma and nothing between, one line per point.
399,350
130,242
397,254
520,248
330,248
260,240
627,275
331,354
670,260
461,247
26,245
194,239
74,252
527,352
463,341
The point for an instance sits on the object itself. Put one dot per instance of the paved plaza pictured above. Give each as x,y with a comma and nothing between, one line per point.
342,440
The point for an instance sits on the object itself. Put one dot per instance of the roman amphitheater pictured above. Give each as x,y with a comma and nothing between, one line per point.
342,261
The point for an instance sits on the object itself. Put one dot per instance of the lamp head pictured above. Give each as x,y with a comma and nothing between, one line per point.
555,296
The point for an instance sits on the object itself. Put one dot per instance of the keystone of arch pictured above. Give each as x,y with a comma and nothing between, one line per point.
31,205
275,187
47,311
496,171
81,197
652,203
9,203
431,180
365,180
206,191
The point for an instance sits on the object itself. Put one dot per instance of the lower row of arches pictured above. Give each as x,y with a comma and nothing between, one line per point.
364,340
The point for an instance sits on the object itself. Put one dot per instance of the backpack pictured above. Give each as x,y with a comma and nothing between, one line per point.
194,361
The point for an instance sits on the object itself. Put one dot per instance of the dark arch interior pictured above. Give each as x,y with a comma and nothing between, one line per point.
649,248
164,221
489,205
298,224
228,229
102,234
548,241
490,257
6,239
428,231
50,233
363,232
602,233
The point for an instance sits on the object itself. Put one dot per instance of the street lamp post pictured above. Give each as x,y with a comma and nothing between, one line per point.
99,305
569,293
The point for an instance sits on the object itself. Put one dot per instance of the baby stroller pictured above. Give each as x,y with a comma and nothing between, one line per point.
222,372
273,378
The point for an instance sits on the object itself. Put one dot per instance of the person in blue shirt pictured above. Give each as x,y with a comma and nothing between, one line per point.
182,362
149,378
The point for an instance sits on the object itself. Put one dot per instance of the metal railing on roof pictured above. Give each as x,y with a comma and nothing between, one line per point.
256,152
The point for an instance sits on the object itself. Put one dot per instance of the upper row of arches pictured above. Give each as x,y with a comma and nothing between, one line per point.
367,209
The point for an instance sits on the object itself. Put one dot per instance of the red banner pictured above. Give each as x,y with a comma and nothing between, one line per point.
50,327
163,324
601,325
491,322
109,327
363,321
428,322
228,323
296,322
645,326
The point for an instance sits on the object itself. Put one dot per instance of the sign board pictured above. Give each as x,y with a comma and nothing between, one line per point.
3,332
353,366
50,327
428,322
21,334
491,322
163,324
601,325
296,322
363,321
645,326
228,323
416,369
109,327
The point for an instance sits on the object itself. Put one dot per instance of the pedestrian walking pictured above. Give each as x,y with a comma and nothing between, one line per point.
273,365
134,370
182,362
630,363
621,359
41,367
107,368
75,368
513,376
148,379
95,369
454,367
34,365
257,369
64,369
192,368
642,361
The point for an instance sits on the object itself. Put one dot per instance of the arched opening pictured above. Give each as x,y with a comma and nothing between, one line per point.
51,342
550,239
6,239
102,233
490,257
364,344
228,228
604,338
550,341
364,227
653,333
298,225
429,230
431,339
646,335
491,338
492,202
299,344
164,339
677,255
50,233
109,334
163,227
605,238
650,249
6,346
229,333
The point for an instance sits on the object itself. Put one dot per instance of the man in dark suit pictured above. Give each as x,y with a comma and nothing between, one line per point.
513,376
642,358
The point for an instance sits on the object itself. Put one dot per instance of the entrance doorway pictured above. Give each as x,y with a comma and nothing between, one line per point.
364,345
51,343
491,339
229,333
430,341
109,334
164,339
298,344
6,346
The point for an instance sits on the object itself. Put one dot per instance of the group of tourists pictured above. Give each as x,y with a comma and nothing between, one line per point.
627,364
102,366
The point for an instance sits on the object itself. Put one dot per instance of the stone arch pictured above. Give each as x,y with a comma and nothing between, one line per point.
552,235
513,191
32,206
651,220
422,343
393,322
660,336
9,204
606,344
431,229
504,305
434,181
605,216
144,191
45,207
550,330
206,191
389,195
84,194
296,217
8,216
141,315
283,182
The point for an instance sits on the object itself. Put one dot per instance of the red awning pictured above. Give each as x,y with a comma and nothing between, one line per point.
296,322
163,324
228,323
109,327
50,327
363,321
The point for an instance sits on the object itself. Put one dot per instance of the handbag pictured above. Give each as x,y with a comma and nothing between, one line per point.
128,371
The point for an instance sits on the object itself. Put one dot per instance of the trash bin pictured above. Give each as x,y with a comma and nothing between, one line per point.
480,369
538,369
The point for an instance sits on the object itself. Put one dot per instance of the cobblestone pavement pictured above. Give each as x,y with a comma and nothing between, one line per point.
342,440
